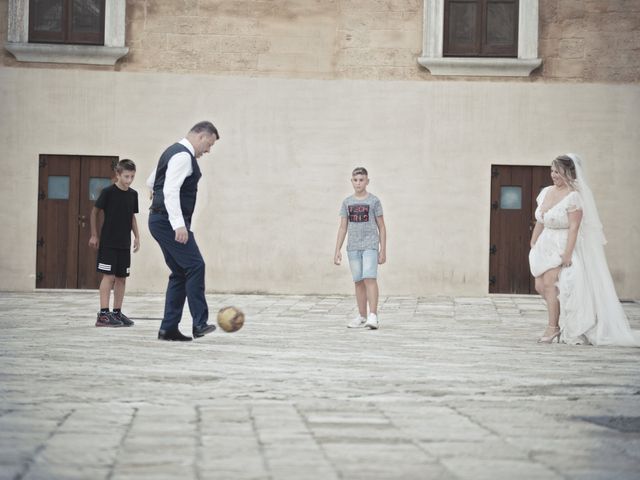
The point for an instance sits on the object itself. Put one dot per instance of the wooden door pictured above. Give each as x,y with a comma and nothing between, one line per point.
513,202
67,189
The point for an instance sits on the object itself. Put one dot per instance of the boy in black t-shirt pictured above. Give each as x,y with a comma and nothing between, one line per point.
119,204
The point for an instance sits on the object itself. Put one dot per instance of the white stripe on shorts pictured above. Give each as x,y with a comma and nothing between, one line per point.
104,267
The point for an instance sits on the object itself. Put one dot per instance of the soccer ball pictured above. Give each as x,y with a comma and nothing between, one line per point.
230,319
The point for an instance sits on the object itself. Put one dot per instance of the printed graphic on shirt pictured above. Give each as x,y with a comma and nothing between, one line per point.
359,213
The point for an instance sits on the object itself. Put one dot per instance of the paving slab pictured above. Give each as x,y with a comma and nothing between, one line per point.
448,388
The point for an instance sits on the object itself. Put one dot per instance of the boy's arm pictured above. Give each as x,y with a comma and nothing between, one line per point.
382,255
342,233
136,236
93,240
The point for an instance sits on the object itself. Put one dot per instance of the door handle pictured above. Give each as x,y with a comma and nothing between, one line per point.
82,221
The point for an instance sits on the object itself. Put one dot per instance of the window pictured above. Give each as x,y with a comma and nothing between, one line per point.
67,31
66,21
480,37
481,28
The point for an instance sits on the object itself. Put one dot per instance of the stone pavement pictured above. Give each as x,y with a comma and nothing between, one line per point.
448,388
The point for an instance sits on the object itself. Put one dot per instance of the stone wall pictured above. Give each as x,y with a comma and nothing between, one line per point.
580,40
590,40
293,38
268,201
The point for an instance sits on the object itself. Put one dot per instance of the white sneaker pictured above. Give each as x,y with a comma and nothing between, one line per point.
372,321
357,322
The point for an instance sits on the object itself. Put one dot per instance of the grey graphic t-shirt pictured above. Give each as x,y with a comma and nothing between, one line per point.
361,214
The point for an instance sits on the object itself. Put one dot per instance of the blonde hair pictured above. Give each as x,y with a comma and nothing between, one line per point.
566,169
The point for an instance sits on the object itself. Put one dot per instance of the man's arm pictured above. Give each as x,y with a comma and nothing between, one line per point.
151,179
178,168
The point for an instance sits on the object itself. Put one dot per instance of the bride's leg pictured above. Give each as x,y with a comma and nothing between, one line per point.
550,294
546,286
539,285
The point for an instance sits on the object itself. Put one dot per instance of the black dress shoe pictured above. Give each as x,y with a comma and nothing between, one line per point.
173,335
203,330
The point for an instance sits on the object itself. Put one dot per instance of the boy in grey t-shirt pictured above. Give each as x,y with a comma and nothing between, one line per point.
361,217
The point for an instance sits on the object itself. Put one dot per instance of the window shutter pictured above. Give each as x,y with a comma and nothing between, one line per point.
87,22
47,20
67,21
480,28
462,27
501,31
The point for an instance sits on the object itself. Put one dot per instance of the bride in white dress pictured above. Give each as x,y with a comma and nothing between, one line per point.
568,262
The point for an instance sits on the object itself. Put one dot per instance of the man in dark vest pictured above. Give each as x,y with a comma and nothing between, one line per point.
175,186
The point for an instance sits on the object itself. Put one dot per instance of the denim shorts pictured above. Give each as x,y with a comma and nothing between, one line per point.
363,264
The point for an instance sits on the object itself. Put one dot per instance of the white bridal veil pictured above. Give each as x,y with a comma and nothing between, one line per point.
611,324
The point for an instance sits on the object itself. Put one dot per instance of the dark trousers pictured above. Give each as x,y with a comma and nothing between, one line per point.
187,274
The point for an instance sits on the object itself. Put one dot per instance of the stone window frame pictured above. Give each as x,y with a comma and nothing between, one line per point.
433,40
107,54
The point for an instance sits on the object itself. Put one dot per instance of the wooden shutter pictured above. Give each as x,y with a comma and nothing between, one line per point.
462,27
500,33
481,28
67,21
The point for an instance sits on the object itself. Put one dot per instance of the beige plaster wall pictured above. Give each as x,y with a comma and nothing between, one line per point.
580,40
267,208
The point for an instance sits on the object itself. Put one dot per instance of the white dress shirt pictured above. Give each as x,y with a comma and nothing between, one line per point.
178,168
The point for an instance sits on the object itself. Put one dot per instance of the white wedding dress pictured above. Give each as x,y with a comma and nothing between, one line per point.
590,312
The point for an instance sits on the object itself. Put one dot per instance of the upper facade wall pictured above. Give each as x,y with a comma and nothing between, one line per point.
579,40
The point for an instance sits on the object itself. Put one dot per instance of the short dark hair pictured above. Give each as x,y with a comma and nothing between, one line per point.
359,171
205,126
125,164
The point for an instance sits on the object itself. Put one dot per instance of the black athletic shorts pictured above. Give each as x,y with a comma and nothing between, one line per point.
114,261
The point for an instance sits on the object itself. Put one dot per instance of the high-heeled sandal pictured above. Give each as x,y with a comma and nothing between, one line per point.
552,337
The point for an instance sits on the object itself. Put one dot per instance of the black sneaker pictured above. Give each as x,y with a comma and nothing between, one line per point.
108,320
126,321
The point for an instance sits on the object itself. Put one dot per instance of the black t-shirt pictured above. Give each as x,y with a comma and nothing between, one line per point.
119,207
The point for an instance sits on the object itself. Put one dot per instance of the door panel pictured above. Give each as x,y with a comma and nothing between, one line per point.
513,193
56,263
63,258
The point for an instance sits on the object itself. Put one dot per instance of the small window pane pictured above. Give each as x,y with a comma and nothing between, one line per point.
501,18
58,188
47,15
96,184
87,16
462,23
511,198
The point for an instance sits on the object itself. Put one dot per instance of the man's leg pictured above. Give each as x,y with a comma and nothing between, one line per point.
194,268
176,293
175,296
